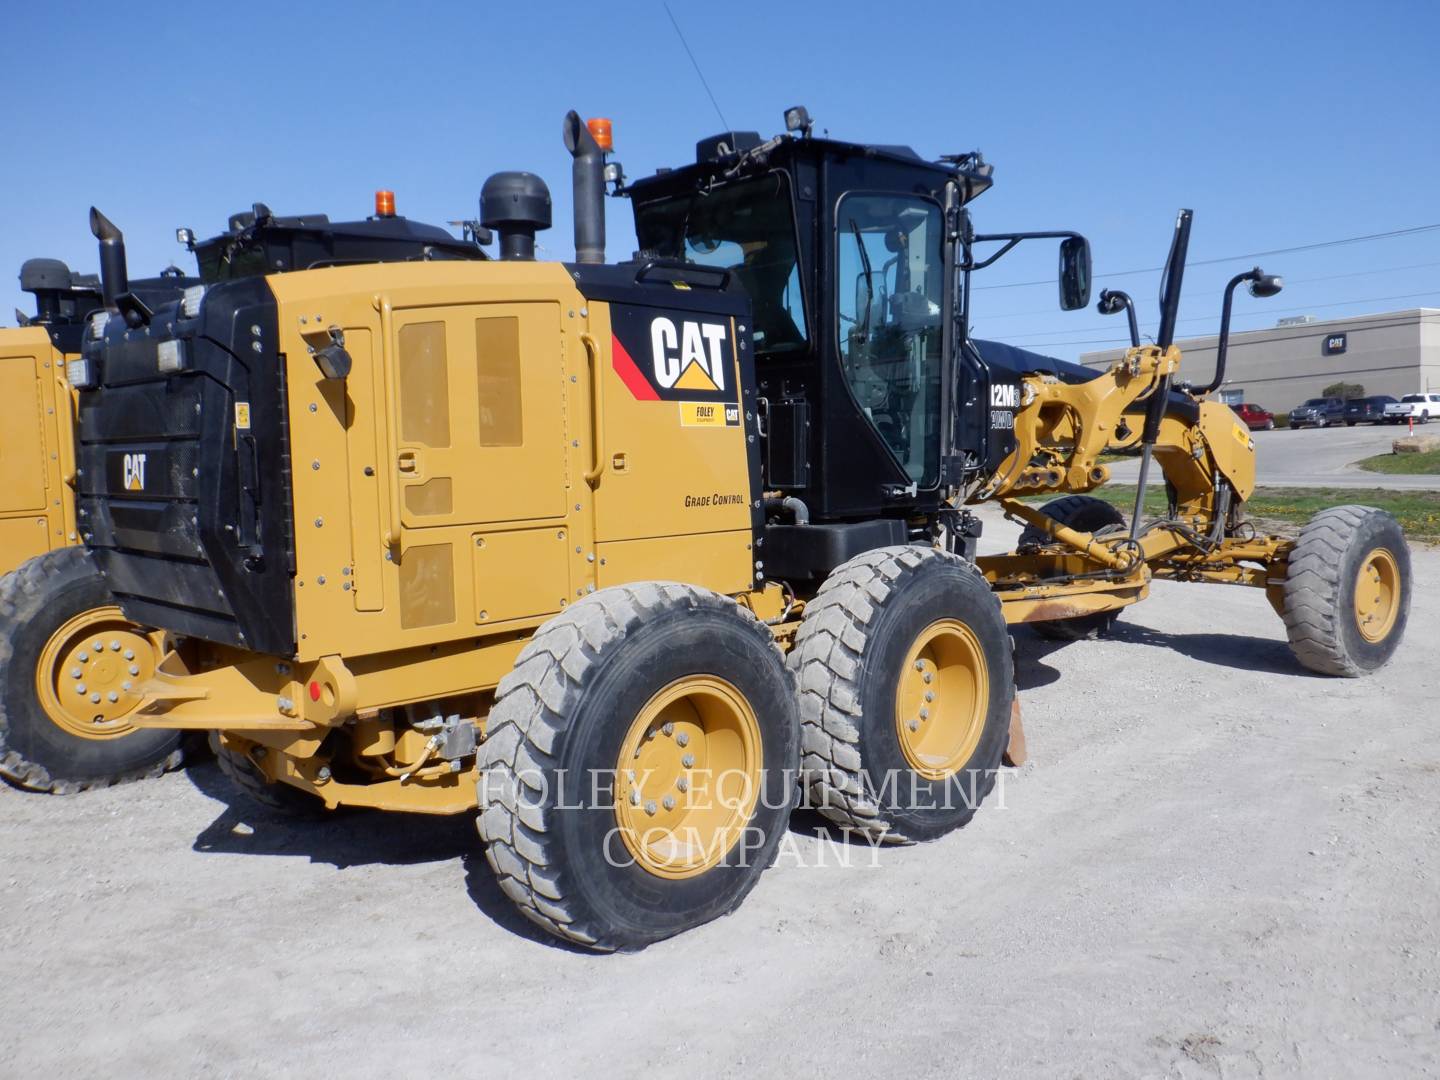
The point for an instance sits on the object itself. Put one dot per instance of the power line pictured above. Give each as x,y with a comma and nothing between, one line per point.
1271,311
1289,284
1262,313
1237,258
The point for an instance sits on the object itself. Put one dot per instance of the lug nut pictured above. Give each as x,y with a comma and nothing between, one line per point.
668,802
99,646
112,697
924,714
650,807
84,657
919,665
129,654
688,760
683,739
80,689
126,685
134,670
75,673
114,646
928,677
929,695
634,798
323,774
94,699
914,725
669,728
682,784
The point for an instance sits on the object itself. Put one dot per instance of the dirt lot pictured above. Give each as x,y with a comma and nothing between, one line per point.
1215,865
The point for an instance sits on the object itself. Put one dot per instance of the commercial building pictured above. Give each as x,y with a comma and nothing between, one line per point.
1393,353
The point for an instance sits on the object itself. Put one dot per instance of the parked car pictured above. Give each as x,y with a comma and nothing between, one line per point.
1367,410
1255,417
1318,412
1419,406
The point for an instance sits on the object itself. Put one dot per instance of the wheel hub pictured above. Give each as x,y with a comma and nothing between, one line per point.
1377,595
90,672
942,699
688,776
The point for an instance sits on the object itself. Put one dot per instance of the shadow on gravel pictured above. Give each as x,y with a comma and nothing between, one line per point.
348,838
1223,650
1031,670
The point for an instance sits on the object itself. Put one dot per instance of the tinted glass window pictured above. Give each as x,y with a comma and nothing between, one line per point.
890,277
747,228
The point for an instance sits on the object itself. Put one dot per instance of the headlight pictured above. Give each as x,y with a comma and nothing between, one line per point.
172,357
80,373
98,322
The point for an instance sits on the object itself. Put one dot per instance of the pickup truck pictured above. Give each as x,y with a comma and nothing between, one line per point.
1419,406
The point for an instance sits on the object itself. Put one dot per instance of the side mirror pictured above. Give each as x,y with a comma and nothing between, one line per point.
1074,273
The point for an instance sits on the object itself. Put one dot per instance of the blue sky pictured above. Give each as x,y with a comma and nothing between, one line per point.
1280,124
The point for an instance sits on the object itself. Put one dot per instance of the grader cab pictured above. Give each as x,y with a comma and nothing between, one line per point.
619,554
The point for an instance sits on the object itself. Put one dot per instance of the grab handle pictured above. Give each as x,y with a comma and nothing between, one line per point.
387,370
597,409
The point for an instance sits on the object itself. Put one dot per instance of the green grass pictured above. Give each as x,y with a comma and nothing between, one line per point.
1426,464
1286,509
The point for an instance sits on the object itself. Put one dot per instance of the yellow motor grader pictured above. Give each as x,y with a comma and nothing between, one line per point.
51,741
623,555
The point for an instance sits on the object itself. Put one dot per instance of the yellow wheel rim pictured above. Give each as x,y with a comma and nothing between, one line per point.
942,699
688,777
90,672
1377,595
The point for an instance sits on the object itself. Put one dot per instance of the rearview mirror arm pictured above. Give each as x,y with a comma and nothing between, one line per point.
1010,240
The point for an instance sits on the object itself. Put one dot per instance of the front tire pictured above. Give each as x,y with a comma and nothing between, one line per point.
65,705
1347,591
639,766
1270,425
1084,513
906,682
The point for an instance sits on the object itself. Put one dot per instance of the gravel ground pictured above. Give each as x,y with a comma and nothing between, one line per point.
1215,864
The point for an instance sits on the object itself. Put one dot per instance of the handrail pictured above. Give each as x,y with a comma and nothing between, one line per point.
689,273
387,372
597,408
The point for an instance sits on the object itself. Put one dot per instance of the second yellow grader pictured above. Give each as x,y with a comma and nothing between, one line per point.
616,553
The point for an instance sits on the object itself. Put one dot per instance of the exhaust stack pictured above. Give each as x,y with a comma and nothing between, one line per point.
114,277
589,189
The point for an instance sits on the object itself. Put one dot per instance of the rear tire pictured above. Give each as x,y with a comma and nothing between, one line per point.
885,628
1269,425
691,688
1084,513
49,740
1347,591
249,778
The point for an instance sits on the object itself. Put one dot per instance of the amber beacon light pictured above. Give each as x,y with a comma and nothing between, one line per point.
600,131
384,204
